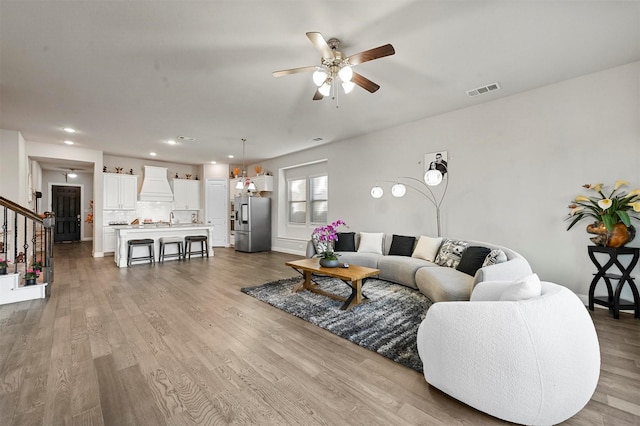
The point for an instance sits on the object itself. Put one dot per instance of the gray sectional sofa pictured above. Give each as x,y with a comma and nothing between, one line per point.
439,283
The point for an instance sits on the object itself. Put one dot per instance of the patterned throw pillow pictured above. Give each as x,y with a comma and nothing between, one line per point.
320,246
451,252
494,257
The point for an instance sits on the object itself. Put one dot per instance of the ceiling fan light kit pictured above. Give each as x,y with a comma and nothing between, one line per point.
335,65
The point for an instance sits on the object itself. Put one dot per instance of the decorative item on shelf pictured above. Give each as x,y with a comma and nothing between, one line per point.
118,169
258,169
4,264
130,171
432,177
177,177
104,169
197,177
612,214
324,238
31,276
187,176
236,171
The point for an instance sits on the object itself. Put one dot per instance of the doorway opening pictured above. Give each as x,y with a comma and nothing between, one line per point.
65,203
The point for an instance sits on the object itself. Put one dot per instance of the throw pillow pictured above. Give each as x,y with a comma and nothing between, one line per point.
320,246
427,248
346,242
371,242
494,257
451,252
402,245
525,288
472,259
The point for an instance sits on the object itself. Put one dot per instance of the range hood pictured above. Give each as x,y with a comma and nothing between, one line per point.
155,186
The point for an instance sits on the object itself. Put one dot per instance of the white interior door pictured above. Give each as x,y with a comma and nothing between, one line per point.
217,211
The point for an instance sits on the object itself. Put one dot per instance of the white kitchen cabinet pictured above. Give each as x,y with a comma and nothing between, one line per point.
108,240
186,194
120,191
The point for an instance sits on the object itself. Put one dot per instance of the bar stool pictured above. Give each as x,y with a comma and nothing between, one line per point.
204,244
164,241
148,242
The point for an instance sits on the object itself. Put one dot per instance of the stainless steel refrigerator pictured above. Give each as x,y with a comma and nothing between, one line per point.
252,225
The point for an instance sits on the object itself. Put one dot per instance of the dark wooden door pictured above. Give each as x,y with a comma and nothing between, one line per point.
65,203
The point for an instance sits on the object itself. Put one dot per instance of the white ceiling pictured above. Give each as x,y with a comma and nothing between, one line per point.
130,75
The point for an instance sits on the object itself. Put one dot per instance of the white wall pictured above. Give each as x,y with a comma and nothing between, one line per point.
14,168
515,164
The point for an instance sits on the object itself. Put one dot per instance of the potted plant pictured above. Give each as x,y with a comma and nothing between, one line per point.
325,236
31,276
4,264
37,265
612,213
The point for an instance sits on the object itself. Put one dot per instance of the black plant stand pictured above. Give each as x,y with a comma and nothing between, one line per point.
612,301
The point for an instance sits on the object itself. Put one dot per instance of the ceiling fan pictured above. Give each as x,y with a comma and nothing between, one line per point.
335,65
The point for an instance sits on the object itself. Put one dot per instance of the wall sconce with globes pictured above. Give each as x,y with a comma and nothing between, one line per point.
430,178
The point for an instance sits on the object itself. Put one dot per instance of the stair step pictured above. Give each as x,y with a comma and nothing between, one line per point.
11,290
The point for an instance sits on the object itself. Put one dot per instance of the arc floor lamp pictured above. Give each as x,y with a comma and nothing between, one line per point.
430,178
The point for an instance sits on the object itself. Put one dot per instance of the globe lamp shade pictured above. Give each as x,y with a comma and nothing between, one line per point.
398,190
433,177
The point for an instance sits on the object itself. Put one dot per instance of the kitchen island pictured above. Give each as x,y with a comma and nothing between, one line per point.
124,233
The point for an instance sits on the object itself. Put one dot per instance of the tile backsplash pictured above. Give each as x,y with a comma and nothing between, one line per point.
154,210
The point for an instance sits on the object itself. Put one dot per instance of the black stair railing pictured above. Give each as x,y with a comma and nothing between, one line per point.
27,240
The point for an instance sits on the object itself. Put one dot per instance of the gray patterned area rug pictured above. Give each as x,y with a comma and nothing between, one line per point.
387,323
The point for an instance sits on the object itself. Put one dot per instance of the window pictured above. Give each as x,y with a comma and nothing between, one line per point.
313,201
298,201
319,194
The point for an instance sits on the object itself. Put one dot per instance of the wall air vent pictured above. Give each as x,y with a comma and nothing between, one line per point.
484,89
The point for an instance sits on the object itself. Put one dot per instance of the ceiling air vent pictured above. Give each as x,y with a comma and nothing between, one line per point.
185,139
484,89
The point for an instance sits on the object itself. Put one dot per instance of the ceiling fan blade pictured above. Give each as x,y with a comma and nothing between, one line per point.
364,82
318,96
371,54
321,44
293,71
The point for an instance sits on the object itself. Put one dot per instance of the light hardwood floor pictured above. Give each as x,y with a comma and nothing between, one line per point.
179,344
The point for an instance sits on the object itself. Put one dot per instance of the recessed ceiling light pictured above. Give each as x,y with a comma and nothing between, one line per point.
213,162
153,154
171,142
69,142
230,155
69,130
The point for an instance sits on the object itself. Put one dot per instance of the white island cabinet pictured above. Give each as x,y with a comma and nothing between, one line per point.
125,233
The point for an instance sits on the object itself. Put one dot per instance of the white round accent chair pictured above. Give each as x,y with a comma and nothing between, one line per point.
525,352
